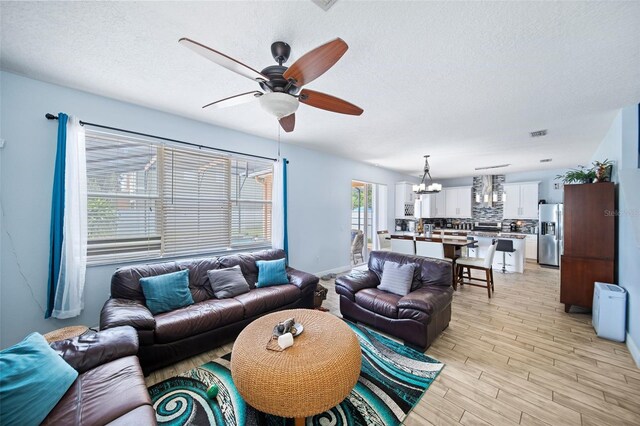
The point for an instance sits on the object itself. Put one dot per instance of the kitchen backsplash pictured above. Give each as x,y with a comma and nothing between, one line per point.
488,214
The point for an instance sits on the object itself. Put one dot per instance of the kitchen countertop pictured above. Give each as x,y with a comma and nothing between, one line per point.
509,235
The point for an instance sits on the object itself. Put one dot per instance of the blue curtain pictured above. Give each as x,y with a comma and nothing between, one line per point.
284,202
57,214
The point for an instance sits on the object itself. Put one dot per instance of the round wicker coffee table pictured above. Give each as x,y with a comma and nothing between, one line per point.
310,377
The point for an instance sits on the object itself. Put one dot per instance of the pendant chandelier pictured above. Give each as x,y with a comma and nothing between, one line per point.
424,187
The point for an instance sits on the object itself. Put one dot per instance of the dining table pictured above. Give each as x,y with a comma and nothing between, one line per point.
452,248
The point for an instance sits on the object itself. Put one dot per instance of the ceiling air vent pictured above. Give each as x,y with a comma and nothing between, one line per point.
538,133
546,160
325,4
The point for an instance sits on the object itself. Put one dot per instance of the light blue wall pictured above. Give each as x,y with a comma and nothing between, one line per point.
319,194
621,145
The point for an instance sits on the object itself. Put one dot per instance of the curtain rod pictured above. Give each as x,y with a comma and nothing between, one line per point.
50,116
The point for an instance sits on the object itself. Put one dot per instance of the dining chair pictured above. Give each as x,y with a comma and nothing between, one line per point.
404,246
478,263
357,246
430,249
384,240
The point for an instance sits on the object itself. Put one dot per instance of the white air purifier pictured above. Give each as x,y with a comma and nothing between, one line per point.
609,311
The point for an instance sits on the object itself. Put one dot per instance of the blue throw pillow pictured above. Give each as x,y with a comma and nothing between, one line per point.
271,272
33,378
167,292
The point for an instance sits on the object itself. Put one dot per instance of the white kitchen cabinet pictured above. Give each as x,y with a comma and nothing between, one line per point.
458,202
405,198
425,206
520,200
439,204
531,249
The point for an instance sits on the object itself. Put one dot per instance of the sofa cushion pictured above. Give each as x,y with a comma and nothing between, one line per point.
266,299
102,394
228,282
427,272
271,272
247,262
397,279
378,301
429,300
197,318
33,378
167,292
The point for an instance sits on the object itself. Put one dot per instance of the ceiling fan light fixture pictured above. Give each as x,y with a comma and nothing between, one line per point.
279,104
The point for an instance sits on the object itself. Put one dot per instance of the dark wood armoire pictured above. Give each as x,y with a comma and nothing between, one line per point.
589,241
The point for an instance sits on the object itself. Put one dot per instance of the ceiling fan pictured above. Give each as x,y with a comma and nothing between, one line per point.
281,84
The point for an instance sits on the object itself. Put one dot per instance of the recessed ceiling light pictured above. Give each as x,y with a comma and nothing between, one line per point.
538,133
546,160
499,166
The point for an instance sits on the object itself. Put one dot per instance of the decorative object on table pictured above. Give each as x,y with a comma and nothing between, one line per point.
319,295
379,397
285,341
284,327
600,172
423,187
66,333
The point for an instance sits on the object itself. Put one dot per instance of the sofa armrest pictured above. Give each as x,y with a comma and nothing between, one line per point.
302,279
349,285
117,312
93,349
430,299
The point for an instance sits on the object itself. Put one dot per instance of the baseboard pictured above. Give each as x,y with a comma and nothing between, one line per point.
633,348
339,269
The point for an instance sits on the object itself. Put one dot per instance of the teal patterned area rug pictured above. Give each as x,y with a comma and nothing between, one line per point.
392,381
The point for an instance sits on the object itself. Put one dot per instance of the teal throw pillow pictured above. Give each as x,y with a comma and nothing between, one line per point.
167,292
33,378
271,272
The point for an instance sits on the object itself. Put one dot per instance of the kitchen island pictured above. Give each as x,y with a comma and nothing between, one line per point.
515,261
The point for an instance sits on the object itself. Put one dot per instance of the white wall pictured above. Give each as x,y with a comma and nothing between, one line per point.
621,145
319,194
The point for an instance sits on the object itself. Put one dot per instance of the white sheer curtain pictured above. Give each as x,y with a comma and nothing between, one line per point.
68,300
277,205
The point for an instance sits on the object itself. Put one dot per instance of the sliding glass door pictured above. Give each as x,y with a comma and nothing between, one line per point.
368,216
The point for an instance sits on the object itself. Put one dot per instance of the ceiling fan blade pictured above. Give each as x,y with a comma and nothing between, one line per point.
328,102
242,98
288,122
223,60
316,62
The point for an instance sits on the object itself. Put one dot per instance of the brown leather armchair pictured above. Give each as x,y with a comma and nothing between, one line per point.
173,336
417,318
110,387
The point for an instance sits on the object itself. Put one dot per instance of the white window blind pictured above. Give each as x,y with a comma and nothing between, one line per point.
149,200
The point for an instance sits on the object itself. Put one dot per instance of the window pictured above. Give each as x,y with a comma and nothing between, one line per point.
149,200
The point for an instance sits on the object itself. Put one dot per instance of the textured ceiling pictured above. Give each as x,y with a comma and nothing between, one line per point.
464,82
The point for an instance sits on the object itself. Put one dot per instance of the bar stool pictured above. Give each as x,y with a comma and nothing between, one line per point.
505,246
483,264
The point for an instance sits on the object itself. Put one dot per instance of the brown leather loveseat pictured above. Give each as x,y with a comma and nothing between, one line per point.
173,336
110,387
417,318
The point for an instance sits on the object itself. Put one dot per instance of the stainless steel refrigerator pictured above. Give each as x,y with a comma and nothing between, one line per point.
550,234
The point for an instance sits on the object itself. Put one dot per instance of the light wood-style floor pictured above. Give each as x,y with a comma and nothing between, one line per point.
514,359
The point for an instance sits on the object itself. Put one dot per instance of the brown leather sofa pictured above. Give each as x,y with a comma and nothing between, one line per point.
173,336
110,387
417,318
